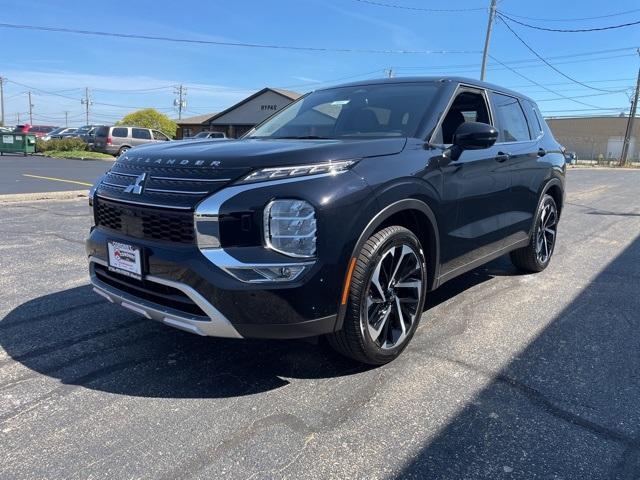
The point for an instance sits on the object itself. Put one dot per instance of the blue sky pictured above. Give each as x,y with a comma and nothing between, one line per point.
117,70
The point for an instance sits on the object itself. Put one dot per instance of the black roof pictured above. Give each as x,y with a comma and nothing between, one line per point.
425,79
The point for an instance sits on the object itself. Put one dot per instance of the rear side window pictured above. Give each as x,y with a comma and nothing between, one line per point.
159,136
120,132
101,131
141,133
534,121
512,124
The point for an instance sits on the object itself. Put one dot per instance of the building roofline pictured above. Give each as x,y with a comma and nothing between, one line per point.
284,93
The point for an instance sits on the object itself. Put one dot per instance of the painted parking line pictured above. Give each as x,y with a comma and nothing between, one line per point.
58,179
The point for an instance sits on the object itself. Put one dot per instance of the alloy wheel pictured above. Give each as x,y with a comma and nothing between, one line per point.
393,296
546,233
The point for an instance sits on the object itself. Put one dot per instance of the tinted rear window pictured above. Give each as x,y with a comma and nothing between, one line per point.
512,124
141,133
100,131
120,132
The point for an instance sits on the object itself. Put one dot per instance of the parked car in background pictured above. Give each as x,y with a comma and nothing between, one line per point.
60,132
208,135
86,134
118,139
6,129
38,130
572,157
336,216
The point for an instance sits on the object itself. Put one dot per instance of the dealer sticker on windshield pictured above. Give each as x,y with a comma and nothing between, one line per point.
125,259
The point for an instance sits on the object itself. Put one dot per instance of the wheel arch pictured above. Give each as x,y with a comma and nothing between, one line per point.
413,214
554,188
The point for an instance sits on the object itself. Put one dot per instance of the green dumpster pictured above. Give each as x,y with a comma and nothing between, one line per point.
17,143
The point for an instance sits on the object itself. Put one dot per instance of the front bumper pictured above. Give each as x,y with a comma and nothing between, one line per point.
224,306
209,280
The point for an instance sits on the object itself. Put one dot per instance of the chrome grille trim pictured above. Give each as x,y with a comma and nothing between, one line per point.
144,204
175,192
109,184
176,179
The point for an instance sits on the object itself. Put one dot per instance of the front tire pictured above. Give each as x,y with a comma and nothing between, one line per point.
536,256
386,298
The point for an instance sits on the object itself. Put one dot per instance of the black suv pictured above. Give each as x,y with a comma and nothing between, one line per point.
333,217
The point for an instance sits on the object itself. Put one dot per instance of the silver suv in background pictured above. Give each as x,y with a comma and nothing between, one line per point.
118,139
208,136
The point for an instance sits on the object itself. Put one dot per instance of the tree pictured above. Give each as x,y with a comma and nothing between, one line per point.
150,118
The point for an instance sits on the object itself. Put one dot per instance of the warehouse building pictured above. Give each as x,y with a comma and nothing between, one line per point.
594,138
238,119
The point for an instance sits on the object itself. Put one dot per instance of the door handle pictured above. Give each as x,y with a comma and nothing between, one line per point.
542,152
502,157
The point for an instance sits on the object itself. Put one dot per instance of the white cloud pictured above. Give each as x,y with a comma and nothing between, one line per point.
118,90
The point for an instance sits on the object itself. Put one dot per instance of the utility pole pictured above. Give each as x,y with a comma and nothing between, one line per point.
487,40
180,102
66,118
30,110
1,102
86,101
629,132
389,72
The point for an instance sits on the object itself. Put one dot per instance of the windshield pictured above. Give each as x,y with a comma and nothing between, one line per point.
202,135
385,110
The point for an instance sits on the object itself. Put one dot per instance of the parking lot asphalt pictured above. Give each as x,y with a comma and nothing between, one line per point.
508,376
35,174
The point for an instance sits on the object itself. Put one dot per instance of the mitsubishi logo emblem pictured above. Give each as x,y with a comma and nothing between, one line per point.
138,186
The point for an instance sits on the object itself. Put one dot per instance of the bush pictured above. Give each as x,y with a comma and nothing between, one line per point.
60,145
150,118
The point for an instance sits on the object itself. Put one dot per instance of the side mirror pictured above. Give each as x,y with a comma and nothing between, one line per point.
474,136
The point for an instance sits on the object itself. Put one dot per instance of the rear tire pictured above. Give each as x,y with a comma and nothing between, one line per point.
386,298
123,150
536,256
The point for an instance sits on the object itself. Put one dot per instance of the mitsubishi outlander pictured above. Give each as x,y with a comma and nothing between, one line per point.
336,216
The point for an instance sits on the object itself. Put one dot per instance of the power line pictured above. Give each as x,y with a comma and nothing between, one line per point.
228,44
137,90
576,96
42,91
569,30
574,19
420,9
555,57
571,83
504,22
617,109
542,86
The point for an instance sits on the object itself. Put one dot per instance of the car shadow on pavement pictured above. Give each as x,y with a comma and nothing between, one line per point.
78,338
566,406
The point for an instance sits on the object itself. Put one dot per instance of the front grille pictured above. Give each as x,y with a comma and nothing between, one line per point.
178,188
151,291
146,223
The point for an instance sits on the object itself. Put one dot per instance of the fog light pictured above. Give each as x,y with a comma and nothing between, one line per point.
258,274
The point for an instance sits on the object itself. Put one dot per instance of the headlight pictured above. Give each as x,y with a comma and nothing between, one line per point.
298,171
290,227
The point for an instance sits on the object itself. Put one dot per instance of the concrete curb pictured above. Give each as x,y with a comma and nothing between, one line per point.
30,197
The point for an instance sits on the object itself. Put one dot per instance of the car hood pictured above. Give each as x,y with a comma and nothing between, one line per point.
257,153
180,174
